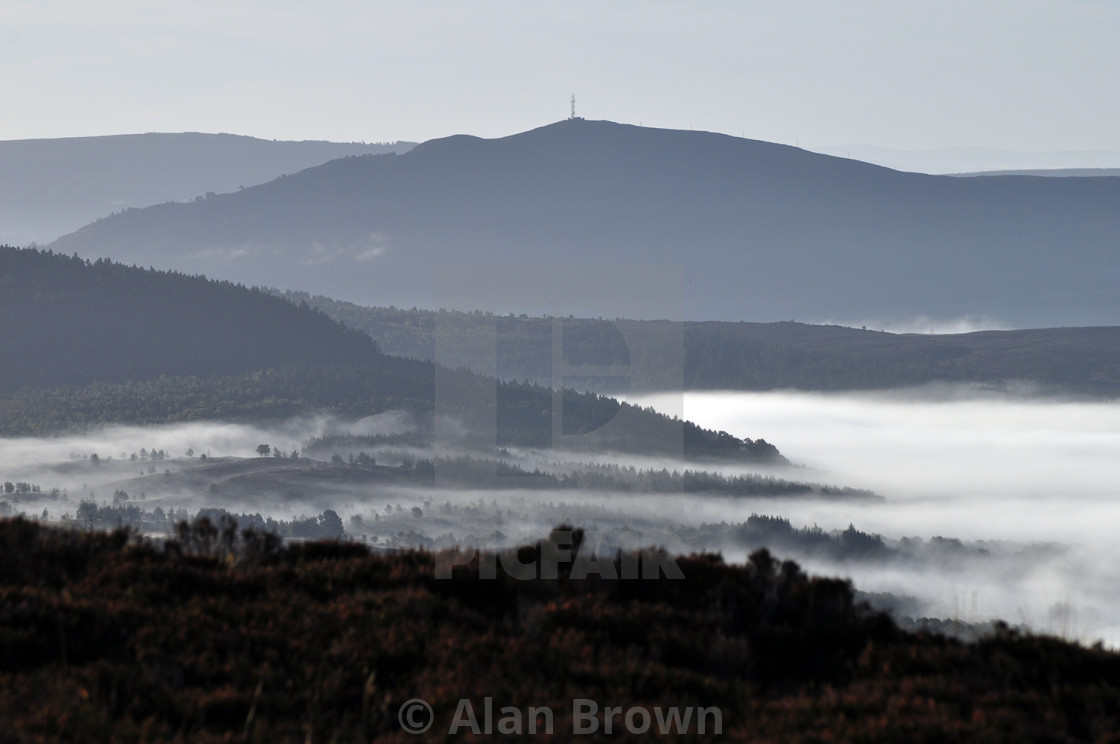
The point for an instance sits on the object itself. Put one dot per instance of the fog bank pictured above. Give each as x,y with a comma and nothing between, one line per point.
965,464
1026,490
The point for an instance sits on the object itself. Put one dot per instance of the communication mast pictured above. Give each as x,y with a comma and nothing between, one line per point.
573,116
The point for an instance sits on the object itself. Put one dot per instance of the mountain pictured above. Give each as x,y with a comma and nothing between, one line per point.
598,218
49,187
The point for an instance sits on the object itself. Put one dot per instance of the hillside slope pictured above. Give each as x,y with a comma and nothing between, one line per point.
72,321
744,230
222,636
92,343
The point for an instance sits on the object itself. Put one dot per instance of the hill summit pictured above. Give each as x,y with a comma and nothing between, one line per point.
587,211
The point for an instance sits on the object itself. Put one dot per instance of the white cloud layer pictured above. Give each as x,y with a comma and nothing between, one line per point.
975,467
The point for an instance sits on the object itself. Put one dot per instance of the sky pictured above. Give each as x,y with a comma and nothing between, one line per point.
1035,75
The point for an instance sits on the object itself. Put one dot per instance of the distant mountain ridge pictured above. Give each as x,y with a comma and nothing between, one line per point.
746,356
49,187
747,230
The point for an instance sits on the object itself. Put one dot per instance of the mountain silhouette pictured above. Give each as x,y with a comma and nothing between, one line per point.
735,229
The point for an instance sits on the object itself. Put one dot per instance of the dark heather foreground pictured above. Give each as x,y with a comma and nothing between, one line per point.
220,635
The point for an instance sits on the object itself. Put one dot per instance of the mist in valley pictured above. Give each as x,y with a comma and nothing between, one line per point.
1034,481
976,505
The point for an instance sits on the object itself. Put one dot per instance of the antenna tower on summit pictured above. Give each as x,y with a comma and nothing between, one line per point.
573,107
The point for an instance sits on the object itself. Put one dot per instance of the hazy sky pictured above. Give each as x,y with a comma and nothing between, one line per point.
1028,74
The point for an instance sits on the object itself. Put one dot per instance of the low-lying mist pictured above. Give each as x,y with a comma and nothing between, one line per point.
960,463
984,506
922,324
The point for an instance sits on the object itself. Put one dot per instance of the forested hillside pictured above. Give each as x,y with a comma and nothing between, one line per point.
89,343
72,321
490,413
